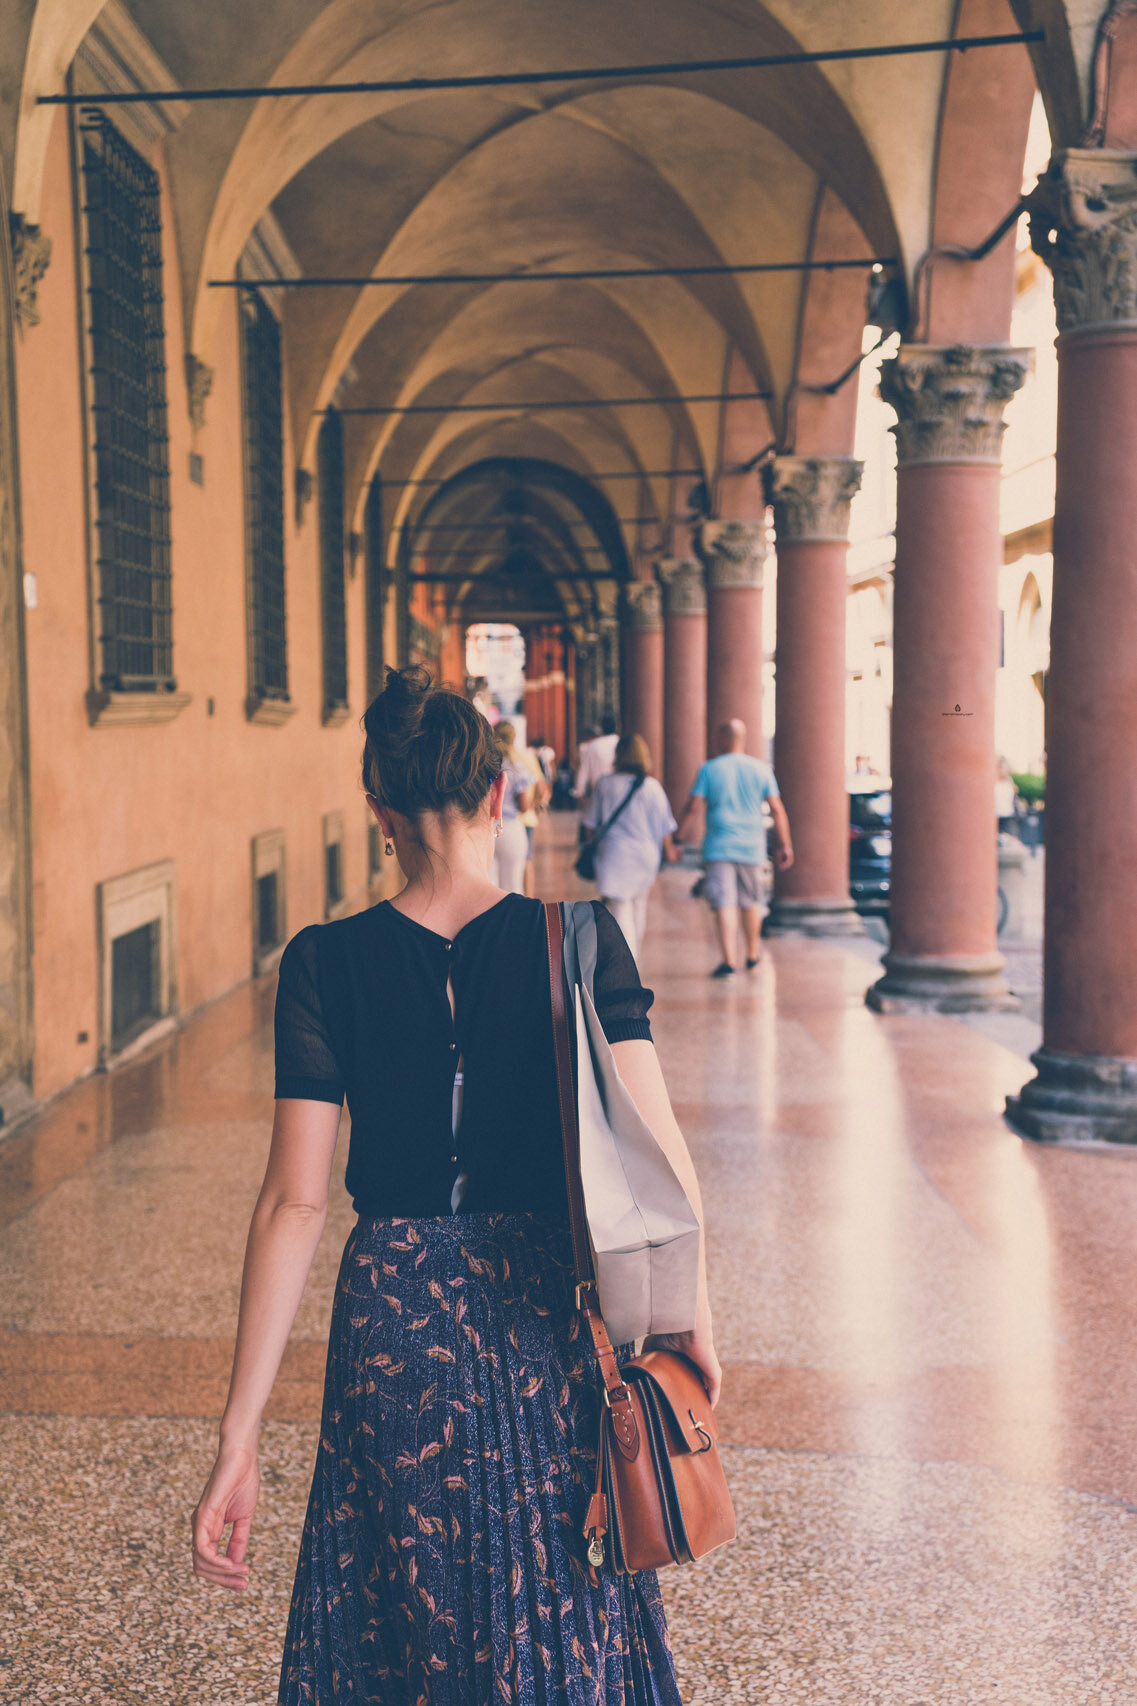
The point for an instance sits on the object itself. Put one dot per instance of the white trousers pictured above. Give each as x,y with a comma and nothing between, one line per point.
510,849
631,916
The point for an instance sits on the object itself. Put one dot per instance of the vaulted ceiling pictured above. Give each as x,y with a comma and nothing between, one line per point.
704,169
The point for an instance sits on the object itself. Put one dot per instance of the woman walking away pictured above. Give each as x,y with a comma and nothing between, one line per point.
631,824
442,1561
512,848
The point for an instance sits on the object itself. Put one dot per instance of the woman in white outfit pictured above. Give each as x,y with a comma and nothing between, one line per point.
631,824
512,848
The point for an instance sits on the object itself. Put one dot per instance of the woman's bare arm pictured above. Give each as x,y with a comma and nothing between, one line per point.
285,1229
638,1066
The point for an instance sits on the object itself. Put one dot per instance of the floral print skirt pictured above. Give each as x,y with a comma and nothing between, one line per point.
442,1561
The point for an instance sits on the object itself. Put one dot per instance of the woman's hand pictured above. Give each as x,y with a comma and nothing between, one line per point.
698,1344
230,1496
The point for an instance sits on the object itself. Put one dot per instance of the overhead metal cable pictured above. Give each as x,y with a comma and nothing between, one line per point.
512,521
491,550
556,403
558,275
508,578
632,474
524,79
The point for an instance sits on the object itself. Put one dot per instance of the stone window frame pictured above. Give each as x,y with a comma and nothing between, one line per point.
335,834
122,904
267,851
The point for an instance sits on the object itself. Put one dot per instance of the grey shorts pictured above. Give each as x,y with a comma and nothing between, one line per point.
726,884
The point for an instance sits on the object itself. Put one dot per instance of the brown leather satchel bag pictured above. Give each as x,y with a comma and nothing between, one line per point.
661,1495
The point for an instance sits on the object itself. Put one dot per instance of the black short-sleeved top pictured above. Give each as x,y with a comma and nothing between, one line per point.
362,1011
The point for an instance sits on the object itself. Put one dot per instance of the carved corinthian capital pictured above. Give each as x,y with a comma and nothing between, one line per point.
31,251
684,586
811,497
644,604
734,552
1083,222
950,400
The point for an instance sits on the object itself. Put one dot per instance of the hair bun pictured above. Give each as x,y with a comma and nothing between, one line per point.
411,685
427,747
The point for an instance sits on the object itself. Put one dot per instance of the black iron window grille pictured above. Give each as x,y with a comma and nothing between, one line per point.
264,499
268,911
333,874
134,983
373,557
329,460
122,207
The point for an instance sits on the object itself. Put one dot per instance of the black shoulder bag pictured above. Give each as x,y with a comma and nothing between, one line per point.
586,859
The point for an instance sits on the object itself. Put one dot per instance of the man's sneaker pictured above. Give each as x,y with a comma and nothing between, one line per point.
723,971
750,964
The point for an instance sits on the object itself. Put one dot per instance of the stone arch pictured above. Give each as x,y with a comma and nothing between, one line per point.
343,43
981,144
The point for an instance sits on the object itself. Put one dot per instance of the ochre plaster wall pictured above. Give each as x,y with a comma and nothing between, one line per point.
108,800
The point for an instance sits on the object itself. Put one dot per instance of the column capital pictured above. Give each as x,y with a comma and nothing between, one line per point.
811,497
733,552
1083,224
643,602
950,400
684,586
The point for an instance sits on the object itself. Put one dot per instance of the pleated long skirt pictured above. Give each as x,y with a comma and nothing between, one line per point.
442,1561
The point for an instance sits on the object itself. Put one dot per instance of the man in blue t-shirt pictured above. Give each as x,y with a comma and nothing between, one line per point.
732,788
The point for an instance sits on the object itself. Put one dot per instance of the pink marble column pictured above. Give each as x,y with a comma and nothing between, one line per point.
1086,1086
643,666
949,402
684,675
811,497
733,554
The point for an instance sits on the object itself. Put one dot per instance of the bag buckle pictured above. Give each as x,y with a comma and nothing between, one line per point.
703,1433
584,1285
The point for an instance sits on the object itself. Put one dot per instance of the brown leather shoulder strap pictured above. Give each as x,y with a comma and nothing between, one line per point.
566,1093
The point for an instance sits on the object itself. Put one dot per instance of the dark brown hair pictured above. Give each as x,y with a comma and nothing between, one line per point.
427,748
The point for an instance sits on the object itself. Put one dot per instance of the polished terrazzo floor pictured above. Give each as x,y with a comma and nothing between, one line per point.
929,1402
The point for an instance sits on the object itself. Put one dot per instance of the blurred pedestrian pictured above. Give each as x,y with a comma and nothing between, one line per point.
597,758
731,788
631,825
512,843
530,763
546,758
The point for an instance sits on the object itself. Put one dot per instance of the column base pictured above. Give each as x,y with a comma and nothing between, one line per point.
812,918
948,983
1077,1099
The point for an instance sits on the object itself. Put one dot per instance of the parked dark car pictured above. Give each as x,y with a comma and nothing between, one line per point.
870,844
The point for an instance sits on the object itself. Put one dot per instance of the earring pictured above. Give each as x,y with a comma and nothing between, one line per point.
389,847
498,826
